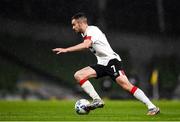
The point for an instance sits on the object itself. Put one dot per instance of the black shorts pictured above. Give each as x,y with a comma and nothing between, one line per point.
112,69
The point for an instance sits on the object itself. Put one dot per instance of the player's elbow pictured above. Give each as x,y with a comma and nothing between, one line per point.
87,46
87,43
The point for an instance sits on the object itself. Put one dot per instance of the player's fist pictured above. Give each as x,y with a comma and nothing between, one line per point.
59,50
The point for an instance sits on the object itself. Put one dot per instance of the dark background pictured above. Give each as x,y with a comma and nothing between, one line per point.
144,33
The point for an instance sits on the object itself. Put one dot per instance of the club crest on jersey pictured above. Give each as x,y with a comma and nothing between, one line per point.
92,50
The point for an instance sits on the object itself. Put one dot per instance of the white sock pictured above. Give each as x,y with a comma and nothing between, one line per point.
89,89
139,94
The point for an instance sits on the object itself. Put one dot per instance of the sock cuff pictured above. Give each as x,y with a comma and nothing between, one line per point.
81,82
133,89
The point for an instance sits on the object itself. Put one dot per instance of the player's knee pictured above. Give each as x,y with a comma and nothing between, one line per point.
78,76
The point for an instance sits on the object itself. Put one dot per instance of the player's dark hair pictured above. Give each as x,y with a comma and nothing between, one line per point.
79,15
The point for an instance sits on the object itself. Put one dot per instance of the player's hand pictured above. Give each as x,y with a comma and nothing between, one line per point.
59,50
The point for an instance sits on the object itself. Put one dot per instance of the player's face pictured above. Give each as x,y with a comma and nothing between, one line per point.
76,26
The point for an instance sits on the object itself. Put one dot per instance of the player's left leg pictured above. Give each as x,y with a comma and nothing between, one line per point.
123,81
82,77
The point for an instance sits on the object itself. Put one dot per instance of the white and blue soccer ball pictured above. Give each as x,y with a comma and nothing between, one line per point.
80,106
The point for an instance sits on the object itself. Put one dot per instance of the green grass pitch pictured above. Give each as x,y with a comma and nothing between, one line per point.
63,110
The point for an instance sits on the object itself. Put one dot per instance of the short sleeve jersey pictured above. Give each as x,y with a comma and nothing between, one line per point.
100,46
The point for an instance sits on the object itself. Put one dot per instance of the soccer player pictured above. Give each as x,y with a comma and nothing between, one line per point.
109,64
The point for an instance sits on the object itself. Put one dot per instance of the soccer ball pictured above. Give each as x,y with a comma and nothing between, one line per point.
80,106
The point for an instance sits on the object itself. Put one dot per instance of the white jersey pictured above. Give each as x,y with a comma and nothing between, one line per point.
100,46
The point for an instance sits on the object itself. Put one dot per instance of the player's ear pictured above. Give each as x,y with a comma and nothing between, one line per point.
80,22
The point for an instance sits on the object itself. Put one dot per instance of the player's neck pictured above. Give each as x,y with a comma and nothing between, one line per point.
85,26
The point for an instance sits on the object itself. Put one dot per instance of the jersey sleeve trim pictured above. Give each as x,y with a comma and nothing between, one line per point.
87,38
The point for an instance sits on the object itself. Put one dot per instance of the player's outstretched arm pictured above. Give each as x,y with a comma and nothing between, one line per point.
84,45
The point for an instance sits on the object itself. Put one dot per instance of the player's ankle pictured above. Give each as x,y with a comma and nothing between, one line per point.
97,97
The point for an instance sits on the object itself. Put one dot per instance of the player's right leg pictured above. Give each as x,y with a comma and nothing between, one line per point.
123,81
82,77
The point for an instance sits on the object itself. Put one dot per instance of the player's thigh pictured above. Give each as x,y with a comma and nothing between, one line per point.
123,81
85,73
